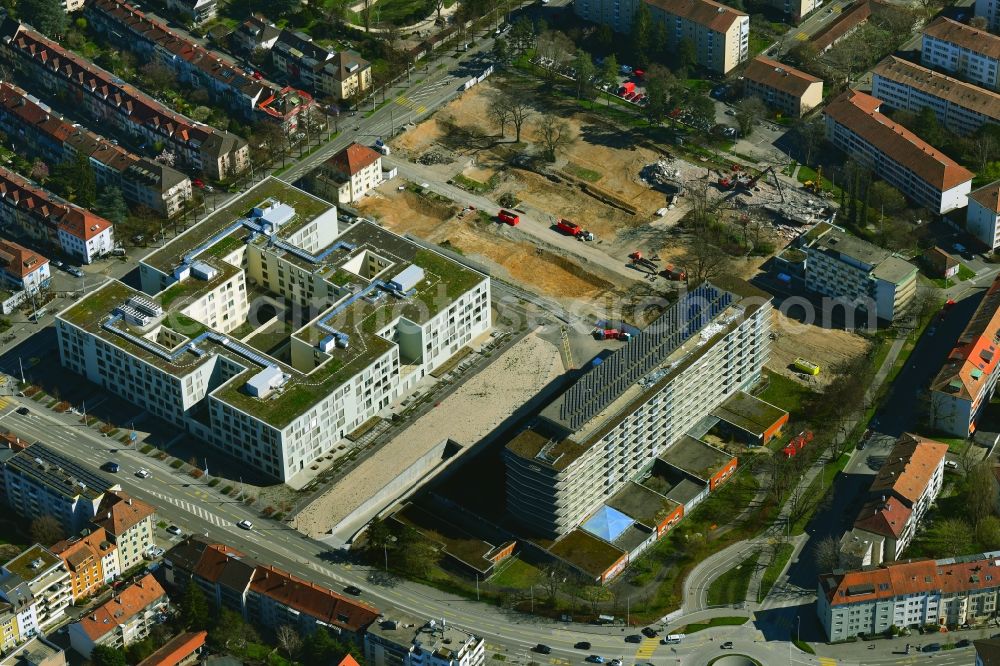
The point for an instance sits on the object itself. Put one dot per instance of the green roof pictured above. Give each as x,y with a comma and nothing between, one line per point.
24,565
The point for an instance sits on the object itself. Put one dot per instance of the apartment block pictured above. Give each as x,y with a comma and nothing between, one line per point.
909,594
989,10
611,426
961,107
849,19
350,174
244,91
128,523
967,380
795,10
337,75
40,482
91,560
18,611
720,34
36,652
855,272
406,641
969,53
901,158
380,314
785,88
124,619
43,572
45,133
254,34
45,218
105,98
982,218
264,594
903,490
23,269
195,11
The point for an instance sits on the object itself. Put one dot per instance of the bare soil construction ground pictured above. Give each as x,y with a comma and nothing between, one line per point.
466,416
826,347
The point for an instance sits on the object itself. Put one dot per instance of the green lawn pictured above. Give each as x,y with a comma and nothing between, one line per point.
731,587
586,174
965,273
808,173
727,621
518,574
784,392
774,569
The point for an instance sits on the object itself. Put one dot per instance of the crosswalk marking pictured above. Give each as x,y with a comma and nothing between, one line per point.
204,514
827,661
4,402
647,648
801,36
408,103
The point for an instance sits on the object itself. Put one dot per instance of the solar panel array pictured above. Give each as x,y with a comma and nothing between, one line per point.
601,386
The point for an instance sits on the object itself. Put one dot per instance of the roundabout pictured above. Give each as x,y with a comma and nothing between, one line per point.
734,660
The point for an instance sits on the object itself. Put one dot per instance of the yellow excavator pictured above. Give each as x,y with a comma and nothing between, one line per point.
815,186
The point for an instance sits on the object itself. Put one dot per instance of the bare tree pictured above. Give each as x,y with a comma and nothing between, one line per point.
704,260
498,111
46,530
826,554
288,639
983,148
520,110
748,112
982,495
556,137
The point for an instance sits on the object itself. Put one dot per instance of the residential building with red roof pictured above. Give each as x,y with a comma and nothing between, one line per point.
982,217
961,107
848,20
179,650
124,619
263,593
788,89
901,158
969,53
107,99
966,381
92,562
913,593
43,132
243,91
350,174
719,33
44,217
903,490
128,523
22,268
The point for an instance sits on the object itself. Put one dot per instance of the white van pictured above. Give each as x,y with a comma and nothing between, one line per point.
673,639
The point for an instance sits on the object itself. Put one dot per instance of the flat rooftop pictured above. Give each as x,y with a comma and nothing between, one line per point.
59,474
696,457
748,413
587,552
642,504
456,541
32,562
404,629
352,313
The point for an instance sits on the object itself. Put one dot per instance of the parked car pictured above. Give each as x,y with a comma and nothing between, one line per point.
633,638
74,271
353,590
154,552
198,182
112,467
173,529
932,647
143,473
595,659
23,411
728,645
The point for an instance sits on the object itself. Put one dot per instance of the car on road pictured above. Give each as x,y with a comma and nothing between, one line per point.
353,590
541,648
23,411
633,638
582,645
965,642
595,659
932,647
198,182
112,467
58,264
143,473
173,529
615,662
728,645
951,464
74,271
245,525
649,632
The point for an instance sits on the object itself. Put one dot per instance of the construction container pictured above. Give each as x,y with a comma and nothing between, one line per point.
805,366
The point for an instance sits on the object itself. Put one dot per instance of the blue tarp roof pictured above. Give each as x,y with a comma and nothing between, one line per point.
607,523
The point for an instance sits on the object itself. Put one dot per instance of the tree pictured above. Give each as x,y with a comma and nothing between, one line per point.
158,77
984,146
585,71
657,92
502,51
687,56
47,16
46,530
556,137
642,34
111,205
419,554
522,35
288,639
105,655
826,554
609,73
39,171
232,632
604,39
951,537
811,133
519,110
886,199
988,534
75,180
498,111
749,111
702,111
982,494
194,608
704,260
927,127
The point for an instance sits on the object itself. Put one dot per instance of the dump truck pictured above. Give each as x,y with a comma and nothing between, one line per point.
567,227
508,217
805,366
640,260
672,272
612,334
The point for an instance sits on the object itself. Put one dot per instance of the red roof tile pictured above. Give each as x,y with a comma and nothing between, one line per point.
18,260
353,159
177,649
122,607
988,196
119,512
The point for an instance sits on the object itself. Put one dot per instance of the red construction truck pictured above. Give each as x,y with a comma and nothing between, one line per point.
626,88
569,228
672,272
508,217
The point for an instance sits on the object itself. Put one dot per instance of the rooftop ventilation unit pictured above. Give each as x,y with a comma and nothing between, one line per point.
144,304
203,271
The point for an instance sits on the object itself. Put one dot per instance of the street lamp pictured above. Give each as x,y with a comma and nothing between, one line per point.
385,551
798,628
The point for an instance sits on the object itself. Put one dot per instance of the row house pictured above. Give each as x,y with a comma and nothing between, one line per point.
42,216
967,380
855,125
969,53
264,594
107,99
337,75
245,92
124,619
961,107
91,560
914,593
142,181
